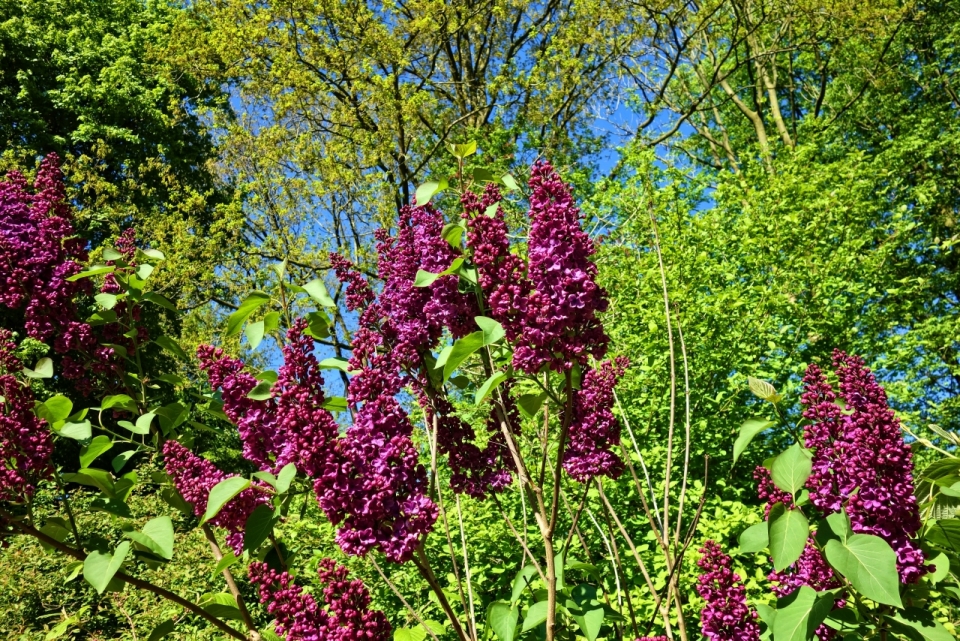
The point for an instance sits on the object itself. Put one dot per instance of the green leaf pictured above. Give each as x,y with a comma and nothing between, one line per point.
754,539
462,150
502,618
254,333
283,480
750,428
162,630
462,349
509,182
945,533
453,234
160,531
318,292
800,613
261,392
491,210
919,625
839,525
409,634
56,408
492,330
335,404
144,271
536,615
788,533
227,560
171,346
429,189
110,253
43,369
160,301
590,616
520,581
764,390
93,449
335,363
870,564
121,459
222,493
143,423
488,386
99,568
530,404
93,477
258,527
791,469
482,175
107,301
424,278
222,606
96,270
249,305
122,401
942,564
77,431
155,254
271,321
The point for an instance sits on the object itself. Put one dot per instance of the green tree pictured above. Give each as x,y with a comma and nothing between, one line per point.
89,80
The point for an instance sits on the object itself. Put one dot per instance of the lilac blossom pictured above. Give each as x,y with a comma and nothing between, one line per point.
194,477
38,252
560,325
725,616
343,613
25,440
594,430
502,274
861,464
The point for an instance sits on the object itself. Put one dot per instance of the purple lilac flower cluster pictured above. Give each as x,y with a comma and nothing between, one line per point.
660,638
343,615
594,431
194,477
368,481
560,325
25,441
38,253
502,275
769,492
474,471
860,460
725,616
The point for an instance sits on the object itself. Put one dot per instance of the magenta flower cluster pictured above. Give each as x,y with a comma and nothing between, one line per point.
194,477
368,481
26,444
594,430
343,614
861,463
502,274
725,616
560,325
37,254
475,471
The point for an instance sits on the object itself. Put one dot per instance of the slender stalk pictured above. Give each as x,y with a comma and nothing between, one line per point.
443,510
523,544
686,442
466,570
231,584
664,612
396,592
422,564
135,582
66,505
